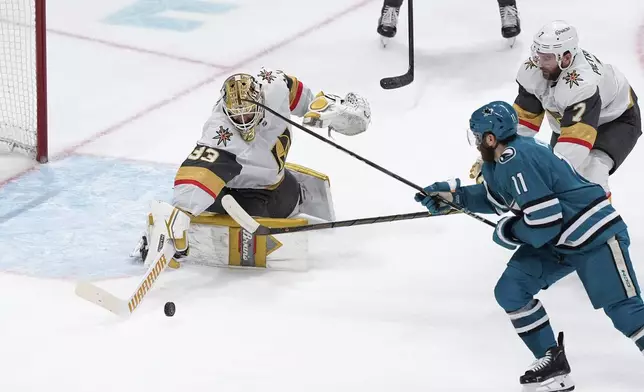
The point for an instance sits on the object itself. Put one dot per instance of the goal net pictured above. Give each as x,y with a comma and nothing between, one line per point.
23,114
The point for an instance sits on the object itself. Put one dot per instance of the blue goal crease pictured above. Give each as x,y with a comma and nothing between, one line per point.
79,217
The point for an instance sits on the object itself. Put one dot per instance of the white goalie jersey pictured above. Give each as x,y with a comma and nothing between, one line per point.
251,152
223,157
260,161
244,147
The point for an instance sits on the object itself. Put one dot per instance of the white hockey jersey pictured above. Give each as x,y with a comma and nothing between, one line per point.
223,159
586,95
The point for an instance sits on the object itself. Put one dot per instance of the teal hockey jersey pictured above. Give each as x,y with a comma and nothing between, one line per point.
557,206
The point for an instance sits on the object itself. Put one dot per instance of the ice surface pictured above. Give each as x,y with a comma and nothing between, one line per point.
406,306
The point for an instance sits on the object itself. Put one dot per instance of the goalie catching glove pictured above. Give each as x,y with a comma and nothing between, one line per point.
349,116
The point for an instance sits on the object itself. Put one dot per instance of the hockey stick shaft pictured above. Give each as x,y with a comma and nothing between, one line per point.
374,165
249,224
353,222
410,15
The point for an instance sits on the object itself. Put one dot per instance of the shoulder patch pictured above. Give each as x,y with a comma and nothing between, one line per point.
529,64
507,155
529,77
266,75
223,136
573,78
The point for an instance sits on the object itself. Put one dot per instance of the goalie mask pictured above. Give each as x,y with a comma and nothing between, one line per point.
243,114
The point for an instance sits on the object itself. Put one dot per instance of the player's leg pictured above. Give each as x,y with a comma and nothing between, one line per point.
615,141
253,201
195,189
267,203
315,193
510,22
529,271
610,281
284,200
388,21
187,198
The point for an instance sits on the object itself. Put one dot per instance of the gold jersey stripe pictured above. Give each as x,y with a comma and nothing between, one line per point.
578,133
530,120
203,178
295,93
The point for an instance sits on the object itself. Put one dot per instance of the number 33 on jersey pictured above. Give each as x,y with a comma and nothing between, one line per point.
252,160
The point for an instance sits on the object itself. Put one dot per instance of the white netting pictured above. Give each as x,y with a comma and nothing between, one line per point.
18,86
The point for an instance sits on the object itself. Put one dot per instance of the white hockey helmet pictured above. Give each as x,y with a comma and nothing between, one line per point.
556,37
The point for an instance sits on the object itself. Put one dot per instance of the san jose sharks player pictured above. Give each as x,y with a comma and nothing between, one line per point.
561,223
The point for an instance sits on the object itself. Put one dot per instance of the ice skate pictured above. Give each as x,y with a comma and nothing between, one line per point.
387,24
142,248
510,23
551,373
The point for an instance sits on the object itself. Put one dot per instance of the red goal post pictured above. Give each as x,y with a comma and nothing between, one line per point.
23,77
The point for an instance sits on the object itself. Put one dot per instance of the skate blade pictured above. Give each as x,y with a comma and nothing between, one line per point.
384,41
512,41
561,383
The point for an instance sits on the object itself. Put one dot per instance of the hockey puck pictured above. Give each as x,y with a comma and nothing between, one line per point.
169,309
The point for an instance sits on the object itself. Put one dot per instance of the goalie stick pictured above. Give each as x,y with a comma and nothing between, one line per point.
405,79
251,225
374,165
121,307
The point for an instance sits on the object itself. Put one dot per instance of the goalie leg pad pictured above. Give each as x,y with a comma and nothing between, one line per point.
315,193
217,240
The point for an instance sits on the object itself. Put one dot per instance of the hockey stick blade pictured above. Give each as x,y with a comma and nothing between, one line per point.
403,80
102,298
397,81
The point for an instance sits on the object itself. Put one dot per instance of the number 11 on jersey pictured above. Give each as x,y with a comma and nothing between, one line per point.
519,183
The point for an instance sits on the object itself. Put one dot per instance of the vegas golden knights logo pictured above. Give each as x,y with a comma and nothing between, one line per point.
280,149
